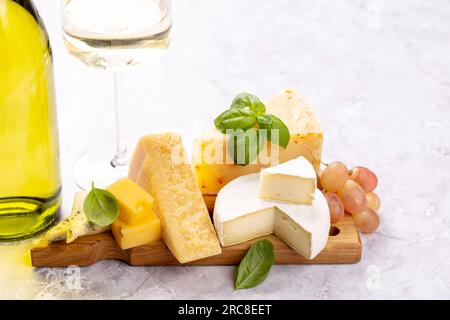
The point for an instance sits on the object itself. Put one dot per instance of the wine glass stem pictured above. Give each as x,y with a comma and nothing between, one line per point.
121,156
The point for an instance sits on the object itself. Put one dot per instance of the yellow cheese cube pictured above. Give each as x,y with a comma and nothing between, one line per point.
212,162
135,203
134,235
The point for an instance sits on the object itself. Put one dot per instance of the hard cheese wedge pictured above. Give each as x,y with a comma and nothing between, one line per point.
214,168
160,166
240,215
293,181
137,234
135,203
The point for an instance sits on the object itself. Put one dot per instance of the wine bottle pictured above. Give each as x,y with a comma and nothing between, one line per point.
30,183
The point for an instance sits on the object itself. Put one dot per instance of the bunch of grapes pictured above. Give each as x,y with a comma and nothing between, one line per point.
351,191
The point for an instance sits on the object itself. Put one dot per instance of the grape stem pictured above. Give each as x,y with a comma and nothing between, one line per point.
325,164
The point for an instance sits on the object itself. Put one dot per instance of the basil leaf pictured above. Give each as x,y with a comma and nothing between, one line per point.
250,102
264,119
101,207
244,146
244,100
241,122
226,115
258,108
248,112
283,132
255,266
277,132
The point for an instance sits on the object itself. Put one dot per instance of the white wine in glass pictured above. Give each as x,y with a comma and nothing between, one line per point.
114,35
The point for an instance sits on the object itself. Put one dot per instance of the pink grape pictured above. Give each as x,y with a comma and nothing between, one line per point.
336,206
367,220
353,197
373,201
365,178
334,176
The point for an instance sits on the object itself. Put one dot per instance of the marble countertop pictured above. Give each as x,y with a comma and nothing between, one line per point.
378,76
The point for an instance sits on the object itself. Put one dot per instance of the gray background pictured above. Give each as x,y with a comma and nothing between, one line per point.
377,74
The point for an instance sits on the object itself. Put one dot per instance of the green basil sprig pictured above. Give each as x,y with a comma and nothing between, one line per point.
243,120
283,131
255,266
245,145
101,207
249,102
235,119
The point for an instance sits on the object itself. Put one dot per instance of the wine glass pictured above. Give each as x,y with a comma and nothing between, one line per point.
113,35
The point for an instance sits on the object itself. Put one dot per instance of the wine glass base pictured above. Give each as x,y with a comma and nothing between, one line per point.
95,167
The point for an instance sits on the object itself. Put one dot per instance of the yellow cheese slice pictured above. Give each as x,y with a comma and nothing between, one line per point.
145,231
212,164
160,166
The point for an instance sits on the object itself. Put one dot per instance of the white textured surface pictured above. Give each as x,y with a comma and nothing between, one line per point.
377,74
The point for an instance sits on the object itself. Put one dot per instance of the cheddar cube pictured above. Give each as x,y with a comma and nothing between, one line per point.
135,203
133,235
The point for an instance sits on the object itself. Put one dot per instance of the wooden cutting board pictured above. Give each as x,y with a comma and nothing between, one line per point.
344,246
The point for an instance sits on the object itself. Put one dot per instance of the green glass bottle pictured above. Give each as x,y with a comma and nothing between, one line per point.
30,183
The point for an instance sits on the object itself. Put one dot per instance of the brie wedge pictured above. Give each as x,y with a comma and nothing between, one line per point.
293,182
240,215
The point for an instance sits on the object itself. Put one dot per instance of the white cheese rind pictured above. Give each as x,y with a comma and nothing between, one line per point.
238,202
298,167
293,181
